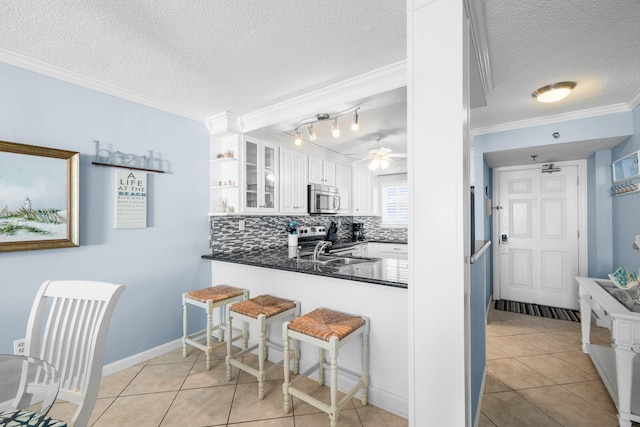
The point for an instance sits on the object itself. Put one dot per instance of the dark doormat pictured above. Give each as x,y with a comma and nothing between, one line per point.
538,310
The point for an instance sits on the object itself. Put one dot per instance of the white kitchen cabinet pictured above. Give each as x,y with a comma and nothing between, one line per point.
343,183
260,176
362,195
392,251
322,172
372,250
361,250
293,181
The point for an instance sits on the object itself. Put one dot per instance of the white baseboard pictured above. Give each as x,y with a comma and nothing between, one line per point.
382,399
130,361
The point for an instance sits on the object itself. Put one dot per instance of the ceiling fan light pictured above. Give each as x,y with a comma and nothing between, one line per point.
354,122
553,92
375,164
384,163
335,130
298,139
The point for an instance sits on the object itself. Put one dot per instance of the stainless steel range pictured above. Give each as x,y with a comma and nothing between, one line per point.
309,237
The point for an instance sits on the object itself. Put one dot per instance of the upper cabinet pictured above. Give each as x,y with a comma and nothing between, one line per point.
322,172
260,176
293,181
362,195
343,183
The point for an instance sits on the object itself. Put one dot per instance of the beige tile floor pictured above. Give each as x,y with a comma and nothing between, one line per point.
174,391
537,374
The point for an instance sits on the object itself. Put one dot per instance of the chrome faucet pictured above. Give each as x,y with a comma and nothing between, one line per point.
319,248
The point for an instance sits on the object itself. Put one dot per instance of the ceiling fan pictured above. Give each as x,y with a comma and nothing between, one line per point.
381,157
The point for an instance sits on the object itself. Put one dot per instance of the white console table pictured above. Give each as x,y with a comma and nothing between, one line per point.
617,364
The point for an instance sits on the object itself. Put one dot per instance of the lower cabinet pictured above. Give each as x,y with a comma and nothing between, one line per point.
361,250
388,250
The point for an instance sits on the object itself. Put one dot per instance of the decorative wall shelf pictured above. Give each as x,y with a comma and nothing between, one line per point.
127,167
624,188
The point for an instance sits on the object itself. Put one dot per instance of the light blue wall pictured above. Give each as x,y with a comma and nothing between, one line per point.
478,323
599,214
156,264
626,210
607,126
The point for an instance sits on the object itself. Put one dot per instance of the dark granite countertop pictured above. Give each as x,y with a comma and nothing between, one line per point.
340,245
387,272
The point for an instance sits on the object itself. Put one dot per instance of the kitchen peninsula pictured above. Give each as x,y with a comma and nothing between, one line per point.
380,271
376,289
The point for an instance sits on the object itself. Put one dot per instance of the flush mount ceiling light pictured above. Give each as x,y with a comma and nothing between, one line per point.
553,92
325,117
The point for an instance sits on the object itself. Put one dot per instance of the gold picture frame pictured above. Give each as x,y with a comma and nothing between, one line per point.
39,197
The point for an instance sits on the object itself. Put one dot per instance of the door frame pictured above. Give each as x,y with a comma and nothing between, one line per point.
583,244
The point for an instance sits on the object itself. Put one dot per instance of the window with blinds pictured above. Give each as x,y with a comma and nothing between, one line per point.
395,204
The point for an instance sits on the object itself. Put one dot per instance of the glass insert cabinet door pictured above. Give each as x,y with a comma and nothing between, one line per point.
269,177
260,176
251,174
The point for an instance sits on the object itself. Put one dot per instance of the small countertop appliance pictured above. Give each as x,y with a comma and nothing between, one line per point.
357,230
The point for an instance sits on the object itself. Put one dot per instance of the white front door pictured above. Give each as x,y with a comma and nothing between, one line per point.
537,236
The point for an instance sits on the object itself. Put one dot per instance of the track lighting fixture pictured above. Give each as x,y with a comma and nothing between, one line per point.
355,125
323,117
312,135
335,130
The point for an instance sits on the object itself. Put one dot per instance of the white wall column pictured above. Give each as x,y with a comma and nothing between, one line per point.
437,115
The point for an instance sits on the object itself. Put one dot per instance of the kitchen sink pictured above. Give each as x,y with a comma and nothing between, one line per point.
332,259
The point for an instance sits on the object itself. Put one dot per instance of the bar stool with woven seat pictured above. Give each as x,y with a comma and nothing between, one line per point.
261,311
208,299
327,330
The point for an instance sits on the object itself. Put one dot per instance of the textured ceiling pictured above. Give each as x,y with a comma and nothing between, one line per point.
199,58
205,57
534,43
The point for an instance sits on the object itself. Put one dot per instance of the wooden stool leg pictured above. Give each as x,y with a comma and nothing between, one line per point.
296,356
184,326
229,334
285,386
262,350
365,364
333,356
209,332
220,323
321,364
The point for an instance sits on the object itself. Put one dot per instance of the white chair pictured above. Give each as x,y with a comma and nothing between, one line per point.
68,328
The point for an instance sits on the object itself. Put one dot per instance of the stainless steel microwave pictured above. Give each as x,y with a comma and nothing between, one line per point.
323,199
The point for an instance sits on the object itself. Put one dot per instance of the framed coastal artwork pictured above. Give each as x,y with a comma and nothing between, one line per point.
39,192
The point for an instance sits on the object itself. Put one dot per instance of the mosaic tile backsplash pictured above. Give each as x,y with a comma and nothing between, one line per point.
270,231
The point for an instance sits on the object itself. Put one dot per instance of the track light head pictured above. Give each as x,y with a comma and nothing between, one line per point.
312,135
335,130
355,125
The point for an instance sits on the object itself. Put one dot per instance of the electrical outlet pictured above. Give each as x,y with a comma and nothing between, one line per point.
241,224
18,346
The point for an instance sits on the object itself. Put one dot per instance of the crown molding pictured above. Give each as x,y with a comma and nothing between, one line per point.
381,80
89,83
539,121
478,25
223,123
634,101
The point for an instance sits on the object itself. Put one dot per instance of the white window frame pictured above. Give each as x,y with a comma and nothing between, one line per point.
398,181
